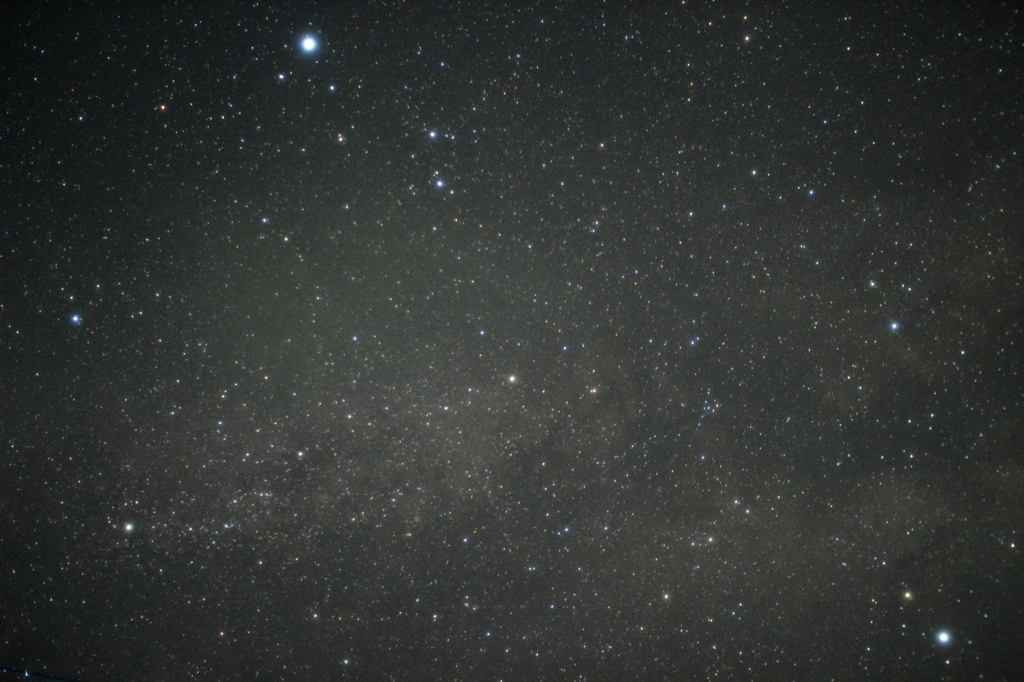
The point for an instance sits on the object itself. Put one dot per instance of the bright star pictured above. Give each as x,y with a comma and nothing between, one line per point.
76,319
129,527
894,326
309,43
512,379
944,637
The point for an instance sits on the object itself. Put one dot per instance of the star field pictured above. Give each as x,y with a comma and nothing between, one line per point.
547,341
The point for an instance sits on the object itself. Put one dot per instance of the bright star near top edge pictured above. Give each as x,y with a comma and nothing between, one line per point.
309,44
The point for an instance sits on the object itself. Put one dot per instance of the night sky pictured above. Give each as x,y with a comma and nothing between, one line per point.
484,341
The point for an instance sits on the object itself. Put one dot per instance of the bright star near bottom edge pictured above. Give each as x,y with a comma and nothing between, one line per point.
309,43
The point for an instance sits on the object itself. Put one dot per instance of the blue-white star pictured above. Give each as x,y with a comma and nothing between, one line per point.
308,44
944,637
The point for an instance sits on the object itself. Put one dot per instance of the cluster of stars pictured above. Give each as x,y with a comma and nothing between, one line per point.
573,312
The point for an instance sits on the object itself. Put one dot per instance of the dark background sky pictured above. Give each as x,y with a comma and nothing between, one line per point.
486,341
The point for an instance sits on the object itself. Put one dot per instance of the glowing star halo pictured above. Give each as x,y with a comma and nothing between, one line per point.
309,43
